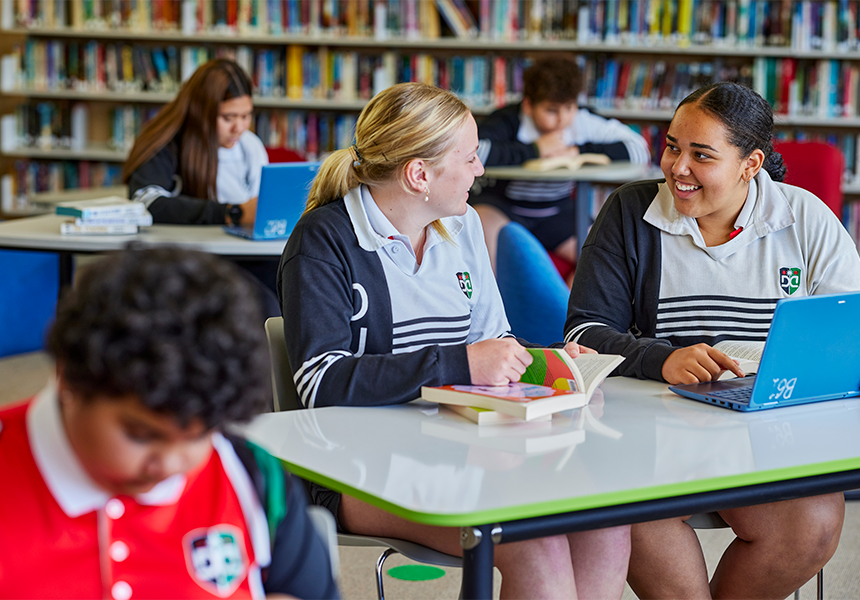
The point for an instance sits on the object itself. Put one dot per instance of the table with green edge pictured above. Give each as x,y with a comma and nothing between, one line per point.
637,453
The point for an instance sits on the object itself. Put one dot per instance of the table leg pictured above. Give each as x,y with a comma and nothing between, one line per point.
66,269
583,218
478,548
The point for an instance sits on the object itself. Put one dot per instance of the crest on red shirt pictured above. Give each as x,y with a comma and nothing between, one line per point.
216,558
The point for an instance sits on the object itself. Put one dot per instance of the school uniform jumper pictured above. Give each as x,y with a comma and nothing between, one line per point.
646,283
204,534
157,183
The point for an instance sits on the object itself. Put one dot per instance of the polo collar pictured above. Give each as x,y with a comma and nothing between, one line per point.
71,486
374,230
765,211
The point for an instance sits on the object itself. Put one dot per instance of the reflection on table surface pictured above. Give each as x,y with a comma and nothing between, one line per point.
637,440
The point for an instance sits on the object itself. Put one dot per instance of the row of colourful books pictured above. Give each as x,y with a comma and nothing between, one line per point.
39,176
802,24
111,215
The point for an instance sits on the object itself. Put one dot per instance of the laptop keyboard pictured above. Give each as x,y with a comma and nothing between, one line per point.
740,395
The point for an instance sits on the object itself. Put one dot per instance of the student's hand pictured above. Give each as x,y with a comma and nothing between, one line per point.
497,361
572,151
574,349
698,363
551,144
249,211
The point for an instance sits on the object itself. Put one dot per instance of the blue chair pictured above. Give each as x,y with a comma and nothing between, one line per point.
532,289
28,301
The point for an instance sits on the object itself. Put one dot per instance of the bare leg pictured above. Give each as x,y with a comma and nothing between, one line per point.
779,547
492,221
568,251
666,561
532,569
600,559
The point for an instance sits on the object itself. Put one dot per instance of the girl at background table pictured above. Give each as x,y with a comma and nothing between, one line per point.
672,267
386,286
196,162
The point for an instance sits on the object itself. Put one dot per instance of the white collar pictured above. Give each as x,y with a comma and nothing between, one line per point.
69,483
765,210
374,230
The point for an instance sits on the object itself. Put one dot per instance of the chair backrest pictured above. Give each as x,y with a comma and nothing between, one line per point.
816,167
282,155
534,293
283,387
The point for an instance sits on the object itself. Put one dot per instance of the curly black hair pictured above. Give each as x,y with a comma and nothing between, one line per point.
181,330
555,78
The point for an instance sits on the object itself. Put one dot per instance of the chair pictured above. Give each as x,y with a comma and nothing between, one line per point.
282,155
816,167
286,398
533,291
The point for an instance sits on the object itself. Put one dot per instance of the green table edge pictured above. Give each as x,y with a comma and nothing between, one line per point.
540,509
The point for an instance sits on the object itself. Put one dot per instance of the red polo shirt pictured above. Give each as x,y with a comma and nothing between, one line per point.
200,535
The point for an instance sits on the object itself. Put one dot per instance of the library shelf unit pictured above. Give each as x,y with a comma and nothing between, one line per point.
803,56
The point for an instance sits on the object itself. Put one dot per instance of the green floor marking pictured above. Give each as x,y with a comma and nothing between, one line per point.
416,572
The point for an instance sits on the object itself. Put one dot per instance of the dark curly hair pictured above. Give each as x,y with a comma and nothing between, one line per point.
747,117
181,330
555,78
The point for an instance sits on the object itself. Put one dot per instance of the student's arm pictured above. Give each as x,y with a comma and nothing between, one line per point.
498,144
154,183
611,282
610,137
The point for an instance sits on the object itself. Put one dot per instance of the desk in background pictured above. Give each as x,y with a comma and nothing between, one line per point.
616,172
42,233
638,454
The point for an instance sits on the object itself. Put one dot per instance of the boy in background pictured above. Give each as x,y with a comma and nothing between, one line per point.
119,481
545,124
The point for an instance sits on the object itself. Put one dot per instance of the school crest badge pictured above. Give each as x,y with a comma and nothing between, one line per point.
216,558
465,283
789,279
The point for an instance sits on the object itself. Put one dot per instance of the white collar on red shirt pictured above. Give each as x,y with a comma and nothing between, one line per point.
74,490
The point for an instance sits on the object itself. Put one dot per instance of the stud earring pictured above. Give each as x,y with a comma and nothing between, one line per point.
427,195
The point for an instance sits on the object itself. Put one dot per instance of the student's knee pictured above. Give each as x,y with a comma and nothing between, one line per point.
548,553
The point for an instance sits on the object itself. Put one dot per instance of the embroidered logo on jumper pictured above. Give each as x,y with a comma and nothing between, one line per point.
465,283
789,279
216,558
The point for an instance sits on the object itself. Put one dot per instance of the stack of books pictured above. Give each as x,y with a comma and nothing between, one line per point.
103,216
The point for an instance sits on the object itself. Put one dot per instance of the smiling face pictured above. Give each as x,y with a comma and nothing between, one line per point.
125,447
549,116
705,172
234,119
453,176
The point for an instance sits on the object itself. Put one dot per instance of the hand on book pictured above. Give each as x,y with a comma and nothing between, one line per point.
552,144
574,349
497,361
698,363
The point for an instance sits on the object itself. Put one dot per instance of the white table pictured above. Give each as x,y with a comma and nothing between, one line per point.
42,233
639,453
615,172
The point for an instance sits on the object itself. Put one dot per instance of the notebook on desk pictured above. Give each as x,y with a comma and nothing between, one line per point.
284,191
811,354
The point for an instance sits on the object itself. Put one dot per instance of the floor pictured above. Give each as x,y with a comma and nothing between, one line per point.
23,375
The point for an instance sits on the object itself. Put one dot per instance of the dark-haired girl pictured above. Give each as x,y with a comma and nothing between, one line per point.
196,159
672,267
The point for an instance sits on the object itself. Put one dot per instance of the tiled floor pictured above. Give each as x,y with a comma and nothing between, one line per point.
23,375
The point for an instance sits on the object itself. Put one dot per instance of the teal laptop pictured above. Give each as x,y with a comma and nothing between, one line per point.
811,354
284,191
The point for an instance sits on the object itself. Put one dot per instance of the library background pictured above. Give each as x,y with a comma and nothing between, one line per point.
78,78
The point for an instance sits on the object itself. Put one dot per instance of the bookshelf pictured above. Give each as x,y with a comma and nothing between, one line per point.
316,62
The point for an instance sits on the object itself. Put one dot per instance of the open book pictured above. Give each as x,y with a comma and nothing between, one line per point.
747,354
571,163
552,383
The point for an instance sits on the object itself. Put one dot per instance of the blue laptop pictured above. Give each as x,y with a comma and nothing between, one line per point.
812,353
284,191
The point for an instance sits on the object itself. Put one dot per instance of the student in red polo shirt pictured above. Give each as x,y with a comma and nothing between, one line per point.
118,479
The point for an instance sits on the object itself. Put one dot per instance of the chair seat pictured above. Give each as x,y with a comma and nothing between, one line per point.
410,550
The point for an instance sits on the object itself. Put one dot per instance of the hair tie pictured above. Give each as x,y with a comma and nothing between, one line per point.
356,155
